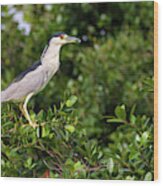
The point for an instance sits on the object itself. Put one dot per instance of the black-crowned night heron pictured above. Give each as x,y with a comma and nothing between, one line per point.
34,79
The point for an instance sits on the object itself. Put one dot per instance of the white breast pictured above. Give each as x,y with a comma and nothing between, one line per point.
50,62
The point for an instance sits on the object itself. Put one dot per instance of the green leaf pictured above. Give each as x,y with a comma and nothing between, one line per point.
70,128
100,155
71,101
148,85
78,166
28,163
133,109
69,162
137,138
110,165
148,176
115,120
45,132
120,112
132,119
134,154
144,137
130,178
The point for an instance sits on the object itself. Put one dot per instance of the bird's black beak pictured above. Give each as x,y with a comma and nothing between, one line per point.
70,39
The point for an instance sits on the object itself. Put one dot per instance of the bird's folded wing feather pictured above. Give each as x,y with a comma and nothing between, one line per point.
27,82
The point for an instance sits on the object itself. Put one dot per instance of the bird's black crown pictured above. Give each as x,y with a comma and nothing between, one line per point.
58,34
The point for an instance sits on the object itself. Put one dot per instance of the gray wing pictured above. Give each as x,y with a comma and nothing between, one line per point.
23,74
30,81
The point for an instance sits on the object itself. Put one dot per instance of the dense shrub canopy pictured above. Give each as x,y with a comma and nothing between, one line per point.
96,114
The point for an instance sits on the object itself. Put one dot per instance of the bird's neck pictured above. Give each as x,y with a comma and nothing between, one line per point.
51,54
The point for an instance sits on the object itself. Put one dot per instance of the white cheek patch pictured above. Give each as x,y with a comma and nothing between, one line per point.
57,40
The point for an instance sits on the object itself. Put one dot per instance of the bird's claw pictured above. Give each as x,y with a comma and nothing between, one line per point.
43,124
34,125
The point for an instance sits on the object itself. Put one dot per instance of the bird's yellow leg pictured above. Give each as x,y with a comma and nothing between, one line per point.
21,108
25,111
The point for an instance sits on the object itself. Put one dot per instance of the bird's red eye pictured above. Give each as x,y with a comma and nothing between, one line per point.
62,36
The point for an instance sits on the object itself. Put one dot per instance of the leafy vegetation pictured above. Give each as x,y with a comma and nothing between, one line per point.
96,115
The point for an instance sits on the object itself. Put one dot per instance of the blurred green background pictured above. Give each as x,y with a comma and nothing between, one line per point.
98,109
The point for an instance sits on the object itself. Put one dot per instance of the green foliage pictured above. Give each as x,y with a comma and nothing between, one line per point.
96,115
134,139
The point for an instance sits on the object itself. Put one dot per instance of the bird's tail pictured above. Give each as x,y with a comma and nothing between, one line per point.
4,96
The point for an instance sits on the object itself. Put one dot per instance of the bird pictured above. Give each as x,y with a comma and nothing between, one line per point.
36,77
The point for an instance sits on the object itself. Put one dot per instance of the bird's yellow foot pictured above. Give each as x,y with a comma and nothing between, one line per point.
43,124
34,125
